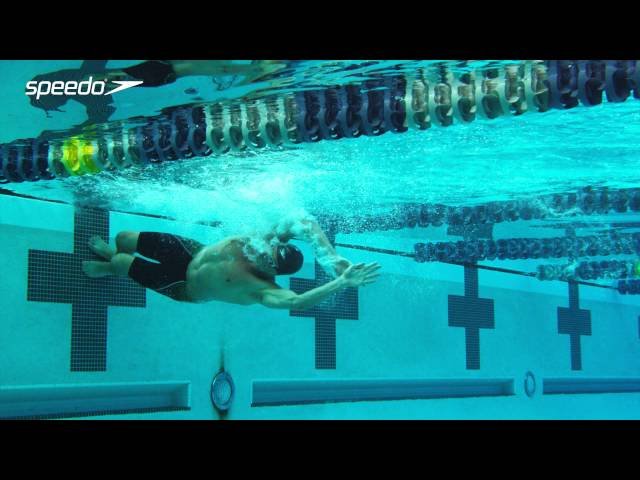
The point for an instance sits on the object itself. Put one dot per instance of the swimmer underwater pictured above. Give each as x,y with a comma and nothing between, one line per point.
237,269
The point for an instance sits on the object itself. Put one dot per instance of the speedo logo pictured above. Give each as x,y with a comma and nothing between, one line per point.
87,87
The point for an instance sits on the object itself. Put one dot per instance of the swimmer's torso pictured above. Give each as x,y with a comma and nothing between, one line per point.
221,272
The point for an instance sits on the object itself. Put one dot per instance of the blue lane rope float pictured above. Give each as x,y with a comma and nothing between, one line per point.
629,287
607,269
528,248
391,104
585,201
463,264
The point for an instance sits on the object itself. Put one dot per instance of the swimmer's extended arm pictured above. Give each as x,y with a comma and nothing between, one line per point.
355,276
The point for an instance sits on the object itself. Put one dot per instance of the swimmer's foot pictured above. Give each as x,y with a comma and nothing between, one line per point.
96,269
101,248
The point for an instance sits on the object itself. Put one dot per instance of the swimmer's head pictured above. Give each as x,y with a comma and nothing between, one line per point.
284,259
289,259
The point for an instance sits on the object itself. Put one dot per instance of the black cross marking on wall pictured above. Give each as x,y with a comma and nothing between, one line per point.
341,305
574,322
471,313
57,277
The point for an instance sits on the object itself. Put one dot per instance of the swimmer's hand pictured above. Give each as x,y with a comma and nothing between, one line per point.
340,264
360,274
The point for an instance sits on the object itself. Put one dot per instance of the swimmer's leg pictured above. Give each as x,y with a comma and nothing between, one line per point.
101,248
118,265
127,241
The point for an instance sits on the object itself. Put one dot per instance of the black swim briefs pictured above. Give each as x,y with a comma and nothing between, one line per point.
169,277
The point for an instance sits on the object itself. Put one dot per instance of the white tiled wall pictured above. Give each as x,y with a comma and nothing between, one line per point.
402,332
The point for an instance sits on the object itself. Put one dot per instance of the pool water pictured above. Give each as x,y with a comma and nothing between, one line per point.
477,314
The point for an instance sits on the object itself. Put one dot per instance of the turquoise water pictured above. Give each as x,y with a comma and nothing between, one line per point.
403,327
